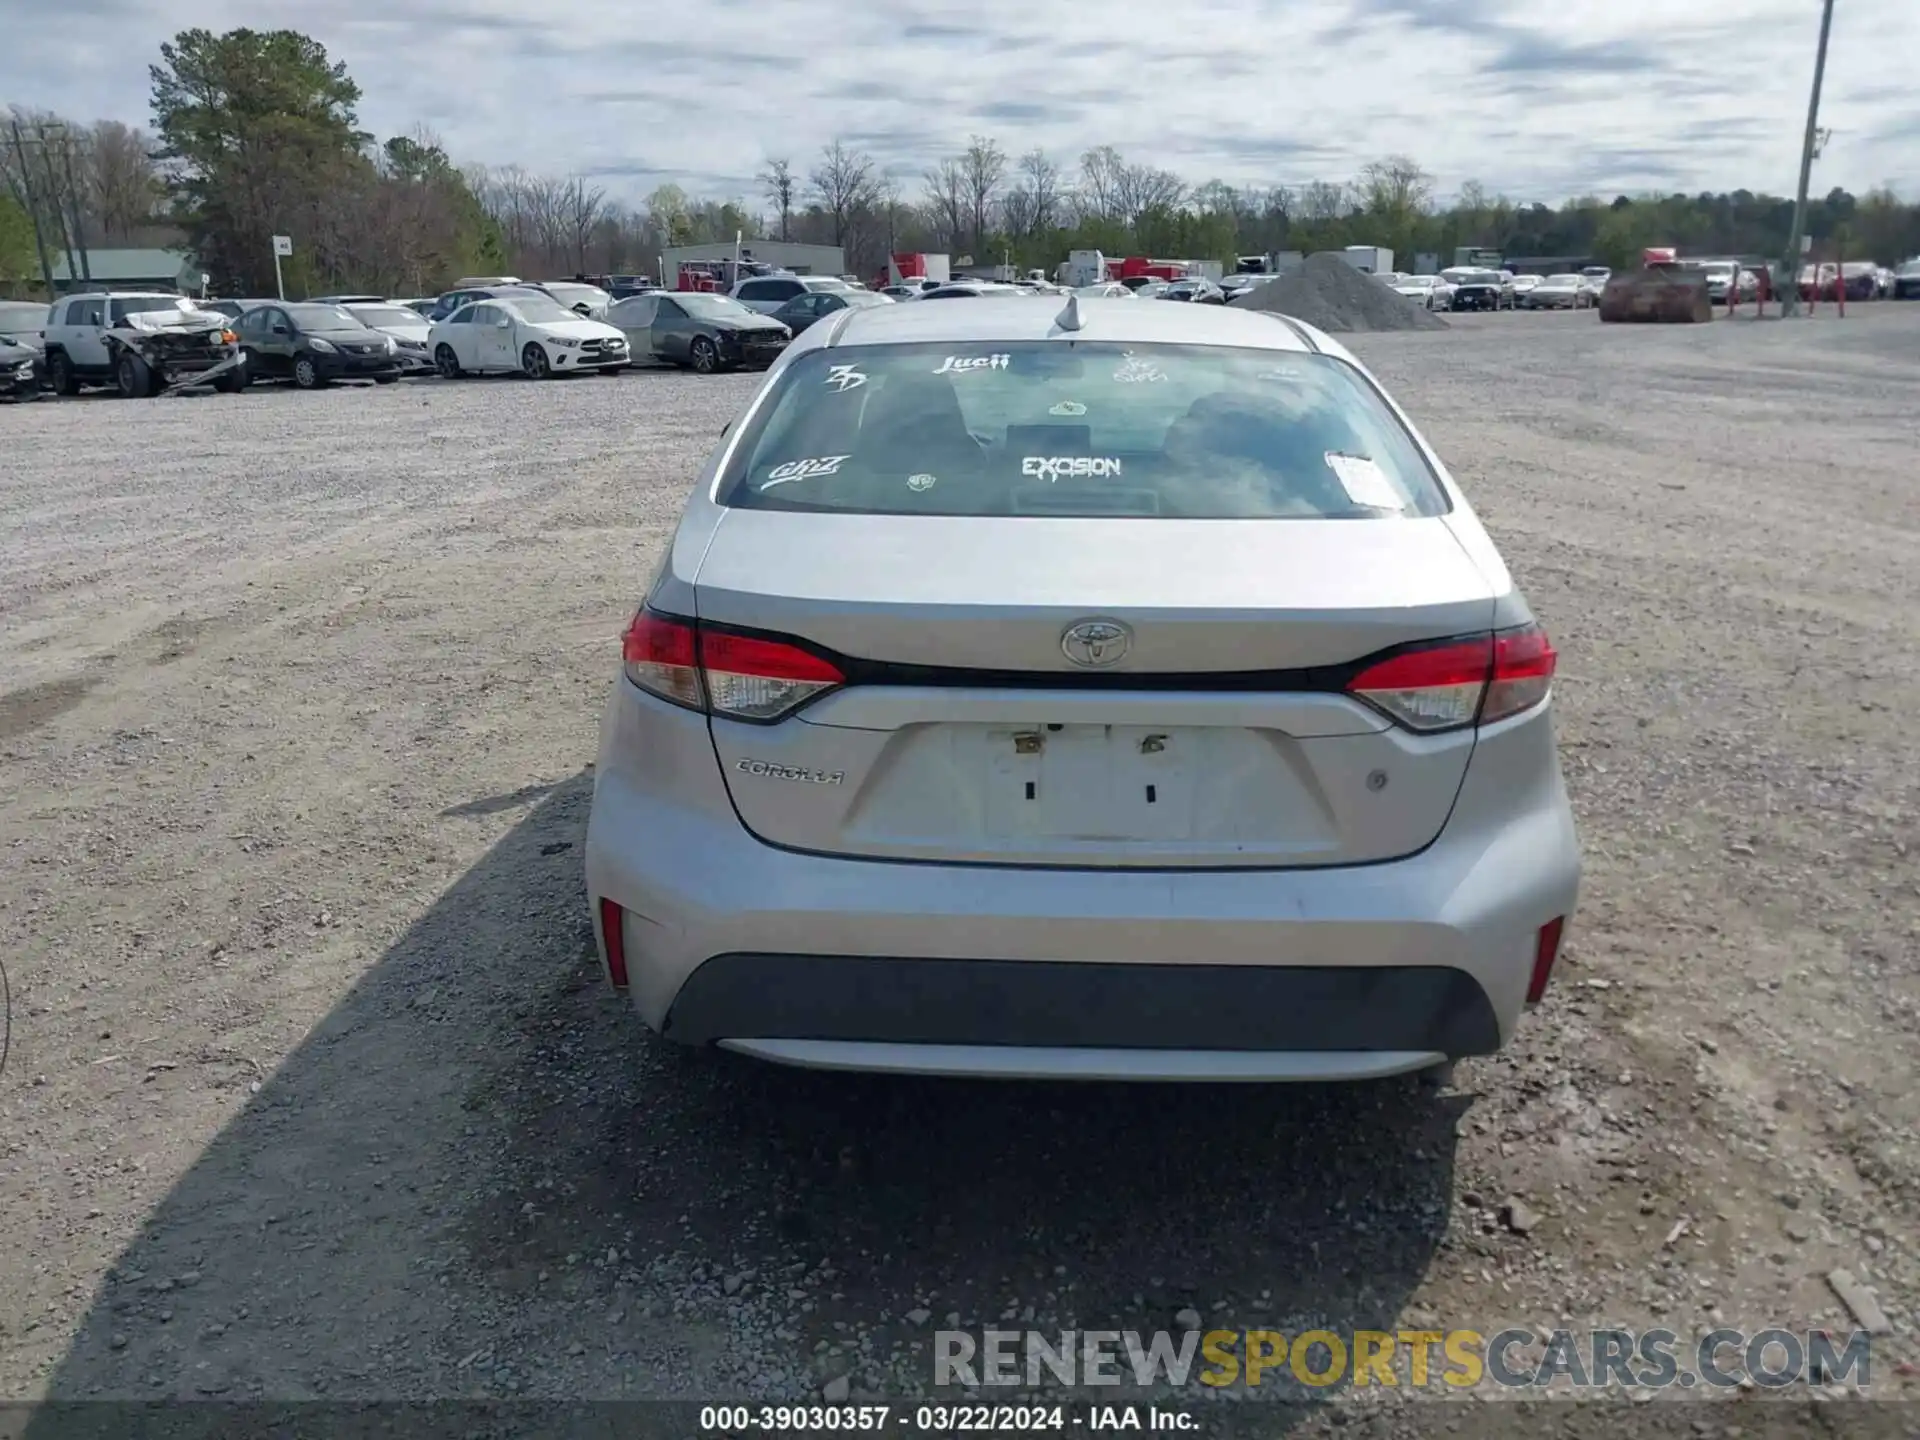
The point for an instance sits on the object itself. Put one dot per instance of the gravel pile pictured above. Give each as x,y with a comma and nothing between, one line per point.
1328,293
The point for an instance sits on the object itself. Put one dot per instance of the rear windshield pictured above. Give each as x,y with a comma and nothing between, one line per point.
1094,429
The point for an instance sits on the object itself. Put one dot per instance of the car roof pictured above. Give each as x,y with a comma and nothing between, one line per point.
1032,318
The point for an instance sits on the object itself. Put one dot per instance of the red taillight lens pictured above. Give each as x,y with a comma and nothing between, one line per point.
1453,683
754,679
745,677
661,656
1437,687
1523,662
1546,950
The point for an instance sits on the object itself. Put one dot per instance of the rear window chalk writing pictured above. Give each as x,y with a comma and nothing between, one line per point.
1364,481
807,469
1070,467
845,377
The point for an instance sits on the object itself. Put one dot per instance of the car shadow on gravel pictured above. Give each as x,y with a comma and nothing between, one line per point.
480,1127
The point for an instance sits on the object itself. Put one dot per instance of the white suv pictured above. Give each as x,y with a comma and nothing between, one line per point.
767,293
78,352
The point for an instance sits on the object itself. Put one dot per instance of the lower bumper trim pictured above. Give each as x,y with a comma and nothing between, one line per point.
1303,1010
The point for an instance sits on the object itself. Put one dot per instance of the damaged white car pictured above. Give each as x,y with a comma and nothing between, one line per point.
140,344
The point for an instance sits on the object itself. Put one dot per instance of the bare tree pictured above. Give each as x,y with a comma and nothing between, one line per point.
123,192
1321,200
1142,190
947,201
842,185
1101,181
1396,188
581,206
984,166
778,184
1040,178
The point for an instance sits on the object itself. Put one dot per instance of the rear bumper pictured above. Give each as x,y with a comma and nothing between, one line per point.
951,969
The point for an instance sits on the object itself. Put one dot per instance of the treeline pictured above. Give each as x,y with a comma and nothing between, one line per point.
256,133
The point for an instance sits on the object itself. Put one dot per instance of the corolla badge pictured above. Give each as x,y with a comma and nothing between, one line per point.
1096,642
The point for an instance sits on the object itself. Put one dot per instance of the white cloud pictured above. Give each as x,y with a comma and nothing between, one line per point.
1536,100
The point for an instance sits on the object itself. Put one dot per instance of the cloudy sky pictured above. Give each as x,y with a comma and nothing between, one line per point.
1539,99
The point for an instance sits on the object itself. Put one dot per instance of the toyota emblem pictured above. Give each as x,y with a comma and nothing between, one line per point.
1096,642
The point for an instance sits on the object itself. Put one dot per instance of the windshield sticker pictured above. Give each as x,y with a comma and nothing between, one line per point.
1067,407
960,364
843,378
1070,467
1364,481
1135,371
794,470
918,483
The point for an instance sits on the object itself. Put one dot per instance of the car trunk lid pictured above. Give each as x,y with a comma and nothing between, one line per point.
1219,738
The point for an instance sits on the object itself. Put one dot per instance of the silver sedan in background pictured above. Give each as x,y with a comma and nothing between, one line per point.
1091,691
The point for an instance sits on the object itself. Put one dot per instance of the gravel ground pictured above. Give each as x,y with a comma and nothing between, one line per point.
315,1091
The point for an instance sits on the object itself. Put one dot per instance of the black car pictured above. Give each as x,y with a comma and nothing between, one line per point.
21,324
312,345
19,371
707,332
1479,290
801,311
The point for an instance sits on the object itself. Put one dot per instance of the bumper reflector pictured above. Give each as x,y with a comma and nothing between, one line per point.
1546,949
613,933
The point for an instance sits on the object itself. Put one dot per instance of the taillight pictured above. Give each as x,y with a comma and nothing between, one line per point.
1451,684
661,656
754,679
744,677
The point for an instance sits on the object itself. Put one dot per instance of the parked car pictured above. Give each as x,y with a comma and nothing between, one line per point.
453,299
767,293
1195,291
1596,276
801,311
23,323
1565,291
897,776
139,342
1475,289
1104,290
1721,279
529,334
408,328
19,371
706,332
1429,291
347,300
582,299
1906,281
313,346
1523,286
424,306
232,309
900,292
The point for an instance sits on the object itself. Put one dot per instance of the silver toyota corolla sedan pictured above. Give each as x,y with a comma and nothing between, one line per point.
1110,691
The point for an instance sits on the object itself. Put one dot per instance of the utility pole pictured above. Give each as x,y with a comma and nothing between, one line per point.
73,207
41,132
22,188
1790,268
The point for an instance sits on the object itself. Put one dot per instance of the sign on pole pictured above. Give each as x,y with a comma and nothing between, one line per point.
282,245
